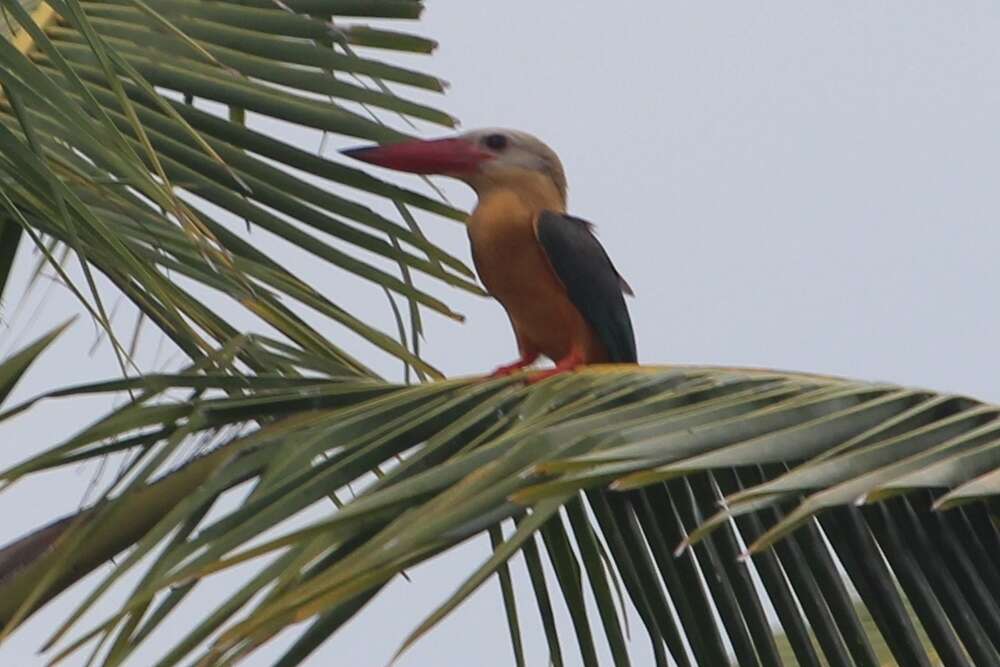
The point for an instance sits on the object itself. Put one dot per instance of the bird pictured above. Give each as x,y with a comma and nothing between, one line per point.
564,297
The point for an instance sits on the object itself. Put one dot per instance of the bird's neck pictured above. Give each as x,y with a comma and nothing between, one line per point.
532,191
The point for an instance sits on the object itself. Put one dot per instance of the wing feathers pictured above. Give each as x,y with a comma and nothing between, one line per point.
594,285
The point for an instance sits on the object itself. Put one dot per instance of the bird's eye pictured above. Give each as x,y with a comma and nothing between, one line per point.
495,142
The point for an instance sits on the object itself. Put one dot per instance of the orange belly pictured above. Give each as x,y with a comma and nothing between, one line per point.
513,267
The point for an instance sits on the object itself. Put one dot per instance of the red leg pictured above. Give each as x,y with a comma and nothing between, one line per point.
570,362
527,358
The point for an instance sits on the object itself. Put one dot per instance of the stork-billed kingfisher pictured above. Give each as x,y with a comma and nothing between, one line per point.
564,297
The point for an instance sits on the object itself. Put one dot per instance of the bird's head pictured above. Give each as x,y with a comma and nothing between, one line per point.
482,158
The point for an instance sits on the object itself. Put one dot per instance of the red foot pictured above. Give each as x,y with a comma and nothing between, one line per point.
569,363
510,369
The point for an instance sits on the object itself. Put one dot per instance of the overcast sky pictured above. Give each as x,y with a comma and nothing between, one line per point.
798,185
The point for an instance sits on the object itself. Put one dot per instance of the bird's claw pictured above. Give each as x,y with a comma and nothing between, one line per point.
504,371
512,368
570,363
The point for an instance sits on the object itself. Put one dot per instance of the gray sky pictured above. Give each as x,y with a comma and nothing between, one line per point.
798,185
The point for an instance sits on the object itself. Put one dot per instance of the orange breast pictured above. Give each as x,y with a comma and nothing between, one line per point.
513,267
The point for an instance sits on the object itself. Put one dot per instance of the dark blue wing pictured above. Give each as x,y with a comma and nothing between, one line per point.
593,284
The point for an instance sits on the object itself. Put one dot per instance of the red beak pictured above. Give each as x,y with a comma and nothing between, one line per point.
440,156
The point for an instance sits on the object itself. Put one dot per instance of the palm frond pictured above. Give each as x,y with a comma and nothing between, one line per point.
16,364
637,461
100,154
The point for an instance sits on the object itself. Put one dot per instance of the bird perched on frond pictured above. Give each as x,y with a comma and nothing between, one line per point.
564,297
